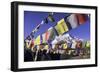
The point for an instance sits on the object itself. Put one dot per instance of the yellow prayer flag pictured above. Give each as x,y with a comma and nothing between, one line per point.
65,46
87,44
61,27
37,40
46,47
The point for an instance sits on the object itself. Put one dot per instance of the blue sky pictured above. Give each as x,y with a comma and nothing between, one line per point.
32,19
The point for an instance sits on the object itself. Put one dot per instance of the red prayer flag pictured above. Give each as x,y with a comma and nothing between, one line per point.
81,18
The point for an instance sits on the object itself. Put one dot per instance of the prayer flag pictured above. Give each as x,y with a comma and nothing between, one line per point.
37,40
82,18
73,21
61,27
